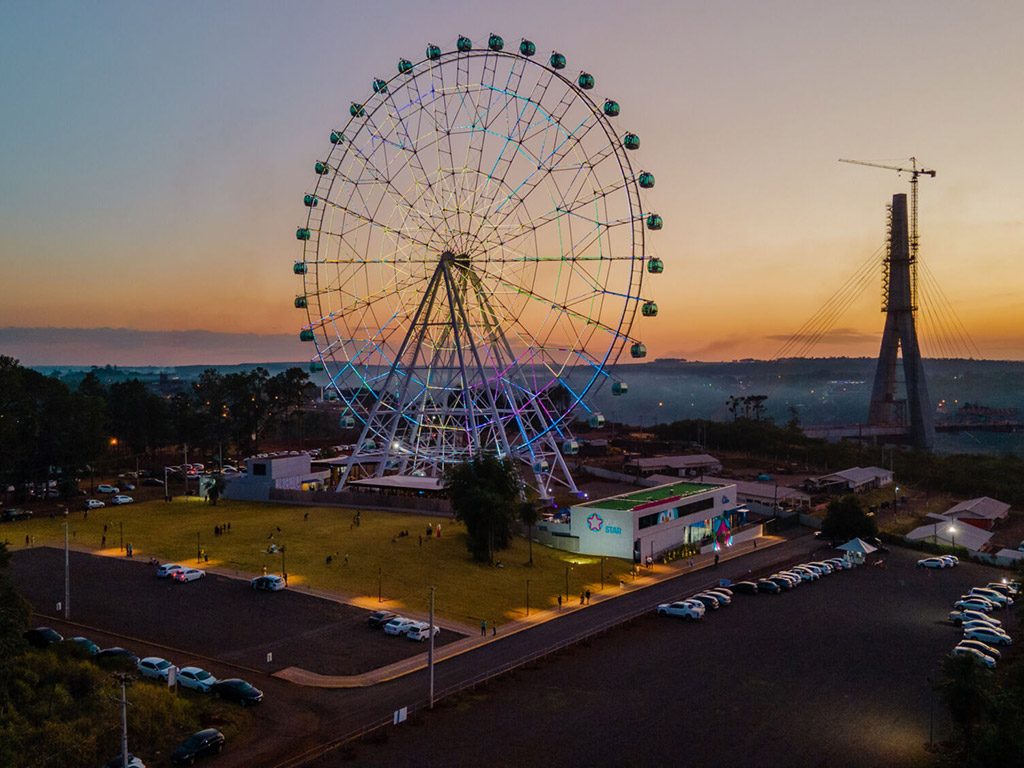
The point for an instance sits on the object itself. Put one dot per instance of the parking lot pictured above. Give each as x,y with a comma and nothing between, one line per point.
216,617
833,673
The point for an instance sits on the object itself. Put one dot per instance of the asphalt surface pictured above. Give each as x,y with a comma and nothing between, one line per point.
833,673
215,617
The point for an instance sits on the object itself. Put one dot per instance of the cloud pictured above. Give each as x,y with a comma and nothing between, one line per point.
835,336
131,347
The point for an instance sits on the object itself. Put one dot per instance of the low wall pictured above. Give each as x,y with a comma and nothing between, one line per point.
415,504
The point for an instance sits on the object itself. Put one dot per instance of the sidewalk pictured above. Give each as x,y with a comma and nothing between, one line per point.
647,577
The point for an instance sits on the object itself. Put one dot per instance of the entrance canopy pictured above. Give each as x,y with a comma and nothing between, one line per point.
858,546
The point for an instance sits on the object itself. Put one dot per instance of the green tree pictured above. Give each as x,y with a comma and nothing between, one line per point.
847,519
529,514
485,495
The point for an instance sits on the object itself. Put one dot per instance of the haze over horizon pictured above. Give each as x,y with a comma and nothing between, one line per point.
154,172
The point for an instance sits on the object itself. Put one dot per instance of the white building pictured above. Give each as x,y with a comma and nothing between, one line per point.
765,497
982,512
855,479
290,471
648,522
951,534
692,465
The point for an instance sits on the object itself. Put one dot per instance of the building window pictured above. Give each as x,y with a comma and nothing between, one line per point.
668,515
259,469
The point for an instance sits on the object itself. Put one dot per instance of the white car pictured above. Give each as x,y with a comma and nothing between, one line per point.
686,609
839,563
121,499
953,560
168,569
973,653
793,577
196,679
985,648
932,562
104,488
1003,586
398,626
974,604
959,617
981,624
989,635
805,573
94,504
420,630
188,574
129,486
993,596
154,668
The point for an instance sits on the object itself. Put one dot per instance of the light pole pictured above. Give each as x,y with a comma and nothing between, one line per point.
567,583
527,598
120,527
67,575
430,649
952,534
284,568
380,582
167,493
602,572
199,549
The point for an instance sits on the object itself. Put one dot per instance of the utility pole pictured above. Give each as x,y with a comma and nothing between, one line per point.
199,550
123,678
430,649
527,598
67,575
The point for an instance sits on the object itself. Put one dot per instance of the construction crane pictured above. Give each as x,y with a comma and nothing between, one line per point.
914,172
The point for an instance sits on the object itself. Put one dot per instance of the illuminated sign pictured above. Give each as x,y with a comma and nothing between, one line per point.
595,521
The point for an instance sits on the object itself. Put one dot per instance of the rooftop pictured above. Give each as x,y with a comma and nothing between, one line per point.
650,496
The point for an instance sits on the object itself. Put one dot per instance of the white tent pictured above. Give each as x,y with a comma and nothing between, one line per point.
858,546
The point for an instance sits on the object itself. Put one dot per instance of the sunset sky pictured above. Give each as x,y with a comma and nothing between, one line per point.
154,158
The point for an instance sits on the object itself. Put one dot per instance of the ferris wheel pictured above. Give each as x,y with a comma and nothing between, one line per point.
473,259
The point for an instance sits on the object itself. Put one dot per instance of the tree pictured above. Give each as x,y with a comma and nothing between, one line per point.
485,495
847,519
529,515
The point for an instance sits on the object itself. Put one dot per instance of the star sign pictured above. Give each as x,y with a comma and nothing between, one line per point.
595,521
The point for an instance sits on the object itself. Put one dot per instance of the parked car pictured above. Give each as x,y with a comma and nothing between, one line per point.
974,604
42,637
188,574
805,573
1004,587
977,656
980,624
13,514
167,570
154,668
151,481
84,644
196,679
104,488
378,619
117,657
989,635
745,587
839,563
985,648
794,578
398,626
768,586
710,601
960,616
93,504
118,762
992,595
209,741
782,583
421,631
953,560
826,569
269,583
684,609
121,499
723,595
936,563
238,690
129,486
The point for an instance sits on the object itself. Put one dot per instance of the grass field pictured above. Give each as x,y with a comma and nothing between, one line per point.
406,568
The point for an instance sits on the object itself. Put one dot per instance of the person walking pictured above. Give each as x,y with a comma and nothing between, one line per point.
716,559
582,595
587,593
494,629
559,601
483,627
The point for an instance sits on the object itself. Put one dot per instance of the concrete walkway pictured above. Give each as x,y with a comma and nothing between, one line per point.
646,577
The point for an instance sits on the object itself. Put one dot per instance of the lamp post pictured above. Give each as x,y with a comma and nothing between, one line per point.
199,549
952,534
120,526
527,598
602,572
67,575
284,568
380,581
567,583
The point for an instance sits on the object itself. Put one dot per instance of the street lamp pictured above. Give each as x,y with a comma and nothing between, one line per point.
199,549
527,597
952,534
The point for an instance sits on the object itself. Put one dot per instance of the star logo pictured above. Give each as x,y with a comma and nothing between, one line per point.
595,521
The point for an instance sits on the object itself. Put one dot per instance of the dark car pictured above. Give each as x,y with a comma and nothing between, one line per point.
784,584
83,644
154,481
235,689
711,603
764,585
746,587
117,657
209,741
43,637
378,619
12,514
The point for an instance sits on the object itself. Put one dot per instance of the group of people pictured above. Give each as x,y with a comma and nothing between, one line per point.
220,530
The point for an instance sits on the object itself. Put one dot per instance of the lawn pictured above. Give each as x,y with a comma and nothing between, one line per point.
362,557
